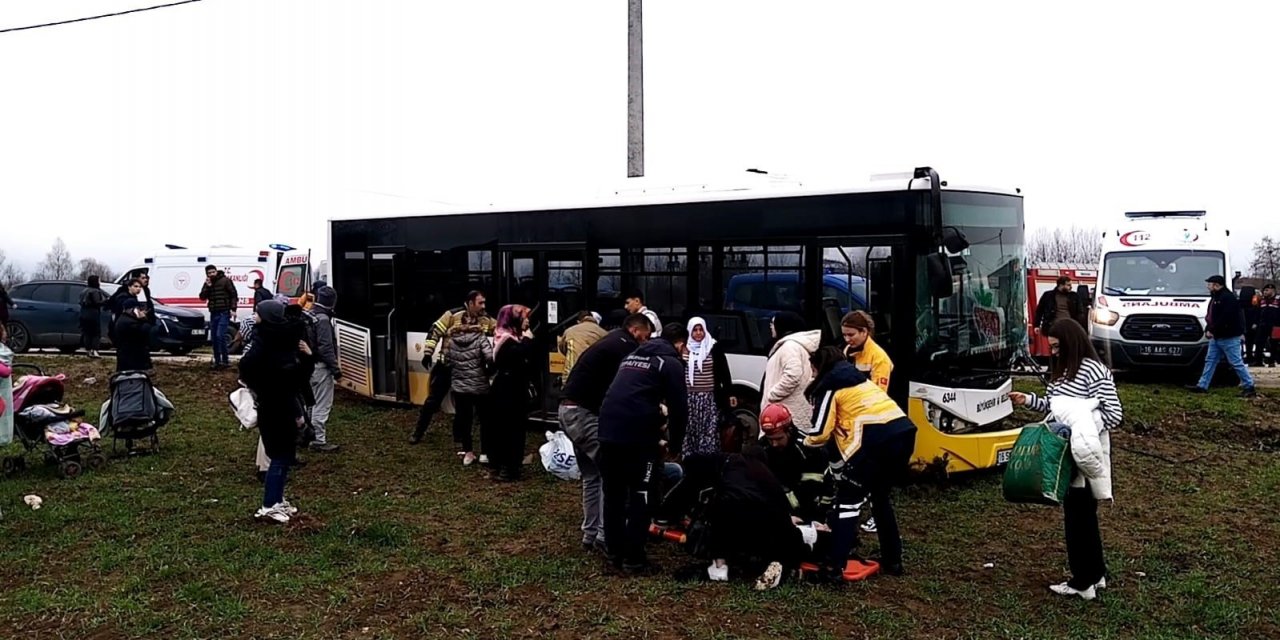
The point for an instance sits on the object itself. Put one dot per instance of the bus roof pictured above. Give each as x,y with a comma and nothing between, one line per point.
645,192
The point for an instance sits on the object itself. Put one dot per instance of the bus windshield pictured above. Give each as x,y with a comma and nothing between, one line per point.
1160,273
984,322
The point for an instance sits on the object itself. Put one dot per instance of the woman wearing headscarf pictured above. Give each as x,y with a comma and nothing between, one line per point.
276,369
787,373
133,333
512,392
708,381
92,300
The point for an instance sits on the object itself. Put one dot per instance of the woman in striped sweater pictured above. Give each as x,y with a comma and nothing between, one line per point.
1077,374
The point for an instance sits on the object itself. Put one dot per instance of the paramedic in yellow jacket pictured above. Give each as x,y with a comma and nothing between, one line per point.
868,441
439,375
859,332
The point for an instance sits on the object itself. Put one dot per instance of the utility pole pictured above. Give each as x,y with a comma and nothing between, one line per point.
635,89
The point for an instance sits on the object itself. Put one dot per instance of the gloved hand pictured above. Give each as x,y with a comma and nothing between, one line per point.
718,572
809,534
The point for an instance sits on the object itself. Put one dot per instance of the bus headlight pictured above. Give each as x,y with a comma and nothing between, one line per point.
1105,316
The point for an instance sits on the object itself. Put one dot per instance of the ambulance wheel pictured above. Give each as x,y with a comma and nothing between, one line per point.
69,469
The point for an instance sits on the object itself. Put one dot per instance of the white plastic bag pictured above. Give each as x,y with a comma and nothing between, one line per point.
245,406
558,458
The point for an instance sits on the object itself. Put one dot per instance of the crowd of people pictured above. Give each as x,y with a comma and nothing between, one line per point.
648,408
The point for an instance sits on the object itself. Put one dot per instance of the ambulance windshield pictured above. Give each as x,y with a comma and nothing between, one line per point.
1177,272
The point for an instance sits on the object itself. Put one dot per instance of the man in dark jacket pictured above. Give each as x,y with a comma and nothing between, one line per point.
1058,303
327,369
1225,332
439,373
221,295
115,304
1268,321
631,419
801,470
260,292
583,393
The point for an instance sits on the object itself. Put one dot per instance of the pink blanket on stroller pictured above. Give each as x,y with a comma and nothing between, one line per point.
64,433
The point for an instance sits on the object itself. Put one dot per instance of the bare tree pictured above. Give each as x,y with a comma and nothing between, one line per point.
10,273
1075,245
91,267
1266,259
57,264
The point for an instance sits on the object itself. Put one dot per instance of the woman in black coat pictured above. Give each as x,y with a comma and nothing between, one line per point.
92,301
512,391
133,333
276,369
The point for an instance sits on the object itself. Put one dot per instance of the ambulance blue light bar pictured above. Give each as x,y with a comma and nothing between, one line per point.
1147,215
281,247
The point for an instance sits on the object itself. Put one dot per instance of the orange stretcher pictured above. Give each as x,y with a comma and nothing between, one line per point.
854,571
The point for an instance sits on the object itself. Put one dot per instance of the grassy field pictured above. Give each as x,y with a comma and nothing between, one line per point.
403,542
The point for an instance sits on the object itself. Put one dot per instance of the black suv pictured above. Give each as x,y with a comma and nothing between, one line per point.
48,316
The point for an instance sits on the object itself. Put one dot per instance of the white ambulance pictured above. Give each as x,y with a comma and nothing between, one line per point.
177,273
1149,309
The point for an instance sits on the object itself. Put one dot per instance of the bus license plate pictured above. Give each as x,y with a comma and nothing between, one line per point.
1002,456
1159,350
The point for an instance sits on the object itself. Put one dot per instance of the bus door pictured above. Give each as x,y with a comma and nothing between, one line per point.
549,282
860,276
386,266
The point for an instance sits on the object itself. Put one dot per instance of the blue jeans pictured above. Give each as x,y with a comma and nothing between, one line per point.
1231,350
273,486
219,323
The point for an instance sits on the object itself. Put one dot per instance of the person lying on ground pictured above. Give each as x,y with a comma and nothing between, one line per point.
745,515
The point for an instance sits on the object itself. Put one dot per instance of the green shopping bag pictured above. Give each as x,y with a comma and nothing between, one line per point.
1040,466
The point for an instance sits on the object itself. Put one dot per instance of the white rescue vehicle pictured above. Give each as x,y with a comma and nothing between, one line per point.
1149,310
177,273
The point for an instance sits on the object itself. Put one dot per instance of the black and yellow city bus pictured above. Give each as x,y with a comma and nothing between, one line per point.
940,269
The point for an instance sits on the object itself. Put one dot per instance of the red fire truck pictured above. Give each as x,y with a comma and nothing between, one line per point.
1043,277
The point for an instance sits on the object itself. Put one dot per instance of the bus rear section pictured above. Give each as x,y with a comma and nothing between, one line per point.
1149,313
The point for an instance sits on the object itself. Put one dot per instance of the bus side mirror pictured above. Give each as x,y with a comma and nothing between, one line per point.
954,240
939,269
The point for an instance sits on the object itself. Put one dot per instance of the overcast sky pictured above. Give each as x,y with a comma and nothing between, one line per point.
254,121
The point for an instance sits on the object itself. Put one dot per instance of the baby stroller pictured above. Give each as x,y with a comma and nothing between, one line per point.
134,411
43,421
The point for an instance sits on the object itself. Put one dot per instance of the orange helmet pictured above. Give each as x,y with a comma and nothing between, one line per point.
775,418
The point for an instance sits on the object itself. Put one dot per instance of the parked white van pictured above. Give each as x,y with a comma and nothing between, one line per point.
1151,298
177,273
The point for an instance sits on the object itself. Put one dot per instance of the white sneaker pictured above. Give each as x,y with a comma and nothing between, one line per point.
718,573
869,526
771,577
1102,584
287,508
274,514
468,459
484,458
1065,589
